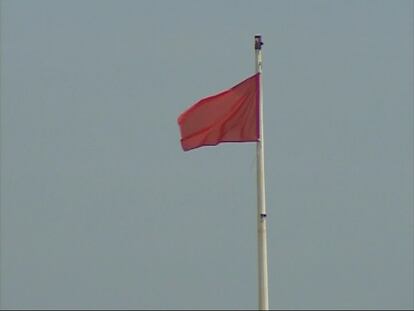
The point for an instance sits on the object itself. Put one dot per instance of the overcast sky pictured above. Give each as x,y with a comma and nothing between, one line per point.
101,208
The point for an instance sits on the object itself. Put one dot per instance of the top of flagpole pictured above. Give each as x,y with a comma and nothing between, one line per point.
258,42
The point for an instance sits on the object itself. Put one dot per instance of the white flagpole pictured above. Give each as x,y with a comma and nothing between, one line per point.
261,199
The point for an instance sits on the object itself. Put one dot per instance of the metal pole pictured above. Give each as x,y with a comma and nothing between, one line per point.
261,199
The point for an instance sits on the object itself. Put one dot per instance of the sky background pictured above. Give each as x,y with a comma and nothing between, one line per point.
100,207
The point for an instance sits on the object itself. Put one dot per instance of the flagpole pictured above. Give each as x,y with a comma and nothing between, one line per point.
261,199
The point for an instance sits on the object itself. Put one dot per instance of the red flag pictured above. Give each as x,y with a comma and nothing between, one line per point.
230,116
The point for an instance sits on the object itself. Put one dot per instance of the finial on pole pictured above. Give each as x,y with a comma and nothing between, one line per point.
258,42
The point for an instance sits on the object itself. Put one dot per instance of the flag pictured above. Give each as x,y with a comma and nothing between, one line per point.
229,116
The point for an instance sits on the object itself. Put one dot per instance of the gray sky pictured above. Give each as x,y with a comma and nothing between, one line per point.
100,207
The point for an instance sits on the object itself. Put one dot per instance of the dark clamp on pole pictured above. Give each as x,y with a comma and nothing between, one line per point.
258,42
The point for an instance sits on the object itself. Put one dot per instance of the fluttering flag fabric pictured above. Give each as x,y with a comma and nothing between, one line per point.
229,116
